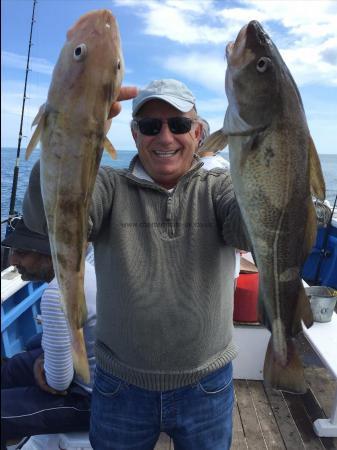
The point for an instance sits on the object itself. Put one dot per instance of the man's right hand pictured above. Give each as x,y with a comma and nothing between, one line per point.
40,377
126,93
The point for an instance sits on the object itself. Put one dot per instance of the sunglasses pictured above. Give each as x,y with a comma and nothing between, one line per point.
152,127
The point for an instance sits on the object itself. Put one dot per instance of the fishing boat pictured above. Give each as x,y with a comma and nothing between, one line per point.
262,418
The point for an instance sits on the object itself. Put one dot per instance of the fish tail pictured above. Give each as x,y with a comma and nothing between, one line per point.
80,358
286,377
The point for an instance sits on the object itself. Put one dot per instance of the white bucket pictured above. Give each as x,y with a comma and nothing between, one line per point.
322,302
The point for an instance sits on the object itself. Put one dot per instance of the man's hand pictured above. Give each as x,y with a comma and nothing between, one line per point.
40,377
126,93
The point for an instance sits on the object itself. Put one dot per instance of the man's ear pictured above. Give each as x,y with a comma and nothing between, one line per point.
134,134
198,131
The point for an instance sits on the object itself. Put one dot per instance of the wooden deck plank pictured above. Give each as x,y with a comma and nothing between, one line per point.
314,412
323,385
303,422
269,428
289,432
249,419
238,440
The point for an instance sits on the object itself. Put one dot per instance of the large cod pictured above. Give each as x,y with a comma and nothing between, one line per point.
72,127
275,170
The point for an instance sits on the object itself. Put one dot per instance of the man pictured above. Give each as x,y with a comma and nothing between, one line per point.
164,234
39,393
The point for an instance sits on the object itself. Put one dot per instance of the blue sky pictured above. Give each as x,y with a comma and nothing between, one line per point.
183,39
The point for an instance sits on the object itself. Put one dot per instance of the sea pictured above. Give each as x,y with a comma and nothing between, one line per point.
8,158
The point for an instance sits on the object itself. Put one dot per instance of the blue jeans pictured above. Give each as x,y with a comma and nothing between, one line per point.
196,417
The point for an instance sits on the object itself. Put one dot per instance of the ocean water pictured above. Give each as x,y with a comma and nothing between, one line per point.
8,158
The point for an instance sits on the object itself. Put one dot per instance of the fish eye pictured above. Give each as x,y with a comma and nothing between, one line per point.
263,64
80,52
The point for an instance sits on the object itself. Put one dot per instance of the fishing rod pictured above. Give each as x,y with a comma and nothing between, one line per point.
12,213
324,252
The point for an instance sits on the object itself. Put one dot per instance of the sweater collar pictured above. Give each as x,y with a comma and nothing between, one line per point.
137,173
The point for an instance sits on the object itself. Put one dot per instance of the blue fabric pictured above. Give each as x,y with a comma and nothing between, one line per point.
27,410
199,417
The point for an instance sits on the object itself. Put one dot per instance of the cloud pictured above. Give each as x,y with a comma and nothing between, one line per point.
305,33
14,61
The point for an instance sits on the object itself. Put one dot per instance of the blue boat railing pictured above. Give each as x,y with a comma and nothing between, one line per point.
19,318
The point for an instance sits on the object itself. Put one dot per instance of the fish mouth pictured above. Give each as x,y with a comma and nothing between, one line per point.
255,35
237,45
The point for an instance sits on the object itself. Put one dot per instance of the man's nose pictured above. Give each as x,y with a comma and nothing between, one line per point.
165,134
13,258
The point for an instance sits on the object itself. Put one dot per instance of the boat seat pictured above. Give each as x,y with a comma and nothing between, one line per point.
74,441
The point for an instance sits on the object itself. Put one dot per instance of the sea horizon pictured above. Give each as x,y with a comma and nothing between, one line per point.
8,158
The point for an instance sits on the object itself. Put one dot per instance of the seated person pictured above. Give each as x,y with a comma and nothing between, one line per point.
40,394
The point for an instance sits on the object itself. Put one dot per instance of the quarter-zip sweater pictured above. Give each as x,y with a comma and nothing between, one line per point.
165,273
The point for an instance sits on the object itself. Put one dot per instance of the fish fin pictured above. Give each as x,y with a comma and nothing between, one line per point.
310,229
214,143
80,358
303,312
316,175
288,377
39,115
35,138
109,148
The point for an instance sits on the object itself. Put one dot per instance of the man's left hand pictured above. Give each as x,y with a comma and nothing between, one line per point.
40,377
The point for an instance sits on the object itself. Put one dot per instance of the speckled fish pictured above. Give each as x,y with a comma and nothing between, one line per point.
71,127
275,168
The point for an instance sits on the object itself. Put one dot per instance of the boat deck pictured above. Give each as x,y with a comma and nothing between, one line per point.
265,419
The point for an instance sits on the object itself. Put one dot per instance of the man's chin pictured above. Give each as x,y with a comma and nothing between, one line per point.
28,277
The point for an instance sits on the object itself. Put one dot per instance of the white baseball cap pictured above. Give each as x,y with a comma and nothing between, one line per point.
169,90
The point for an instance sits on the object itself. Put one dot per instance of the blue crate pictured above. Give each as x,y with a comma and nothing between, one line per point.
324,255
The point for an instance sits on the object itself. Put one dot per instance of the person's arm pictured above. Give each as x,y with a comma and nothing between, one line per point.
56,340
33,210
228,212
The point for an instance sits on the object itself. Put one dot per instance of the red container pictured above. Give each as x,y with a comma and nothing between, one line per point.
246,298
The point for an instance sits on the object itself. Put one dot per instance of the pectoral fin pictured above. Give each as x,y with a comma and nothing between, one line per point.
39,120
39,115
214,143
316,176
109,148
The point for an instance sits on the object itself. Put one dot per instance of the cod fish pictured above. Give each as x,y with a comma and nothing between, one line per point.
275,170
72,127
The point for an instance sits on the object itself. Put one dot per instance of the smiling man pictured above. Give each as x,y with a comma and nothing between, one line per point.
164,232
166,130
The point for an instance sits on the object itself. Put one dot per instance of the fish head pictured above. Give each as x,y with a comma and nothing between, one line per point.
89,72
255,79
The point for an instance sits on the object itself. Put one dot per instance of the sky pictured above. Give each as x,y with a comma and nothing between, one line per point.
182,39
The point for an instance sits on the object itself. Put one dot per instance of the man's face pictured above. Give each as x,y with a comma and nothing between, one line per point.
166,156
32,266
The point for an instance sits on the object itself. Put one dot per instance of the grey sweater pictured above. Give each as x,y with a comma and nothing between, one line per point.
164,265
